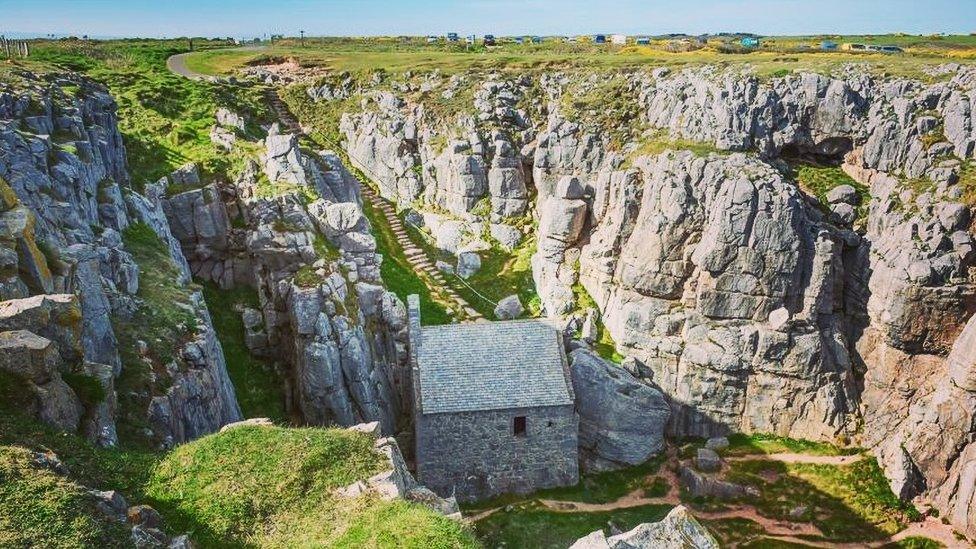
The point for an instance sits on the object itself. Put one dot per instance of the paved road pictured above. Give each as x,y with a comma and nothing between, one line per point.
177,63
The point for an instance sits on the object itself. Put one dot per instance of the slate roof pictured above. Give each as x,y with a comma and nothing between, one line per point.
491,366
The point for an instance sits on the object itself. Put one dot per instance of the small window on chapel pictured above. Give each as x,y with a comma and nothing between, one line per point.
519,426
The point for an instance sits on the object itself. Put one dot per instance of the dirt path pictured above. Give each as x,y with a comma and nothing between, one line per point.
800,458
782,530
415,255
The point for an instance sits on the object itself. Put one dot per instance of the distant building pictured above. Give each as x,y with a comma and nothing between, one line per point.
494,407
489,40
889,49
618,39
749,42
599,39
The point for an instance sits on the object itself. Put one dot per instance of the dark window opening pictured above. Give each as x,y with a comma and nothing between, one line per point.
519,425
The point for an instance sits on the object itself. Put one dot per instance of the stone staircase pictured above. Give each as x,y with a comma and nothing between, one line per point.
416,256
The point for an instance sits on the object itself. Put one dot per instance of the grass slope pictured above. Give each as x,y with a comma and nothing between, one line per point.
39,508
229,490
847,503
164,118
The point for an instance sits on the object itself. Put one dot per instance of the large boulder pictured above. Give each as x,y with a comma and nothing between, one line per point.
508,308
622,419
678,530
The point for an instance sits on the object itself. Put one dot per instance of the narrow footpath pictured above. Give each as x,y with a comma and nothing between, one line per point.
416,256
779,530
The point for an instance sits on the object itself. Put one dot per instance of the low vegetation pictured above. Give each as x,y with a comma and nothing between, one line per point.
258,386
164,118
228,489
818,180
399,276
502,273
39,508
761,443
532,525
776,56
847,503
164,320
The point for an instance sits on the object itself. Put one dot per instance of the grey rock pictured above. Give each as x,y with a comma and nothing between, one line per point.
717,443
701,485
678,530
509,308
468,263
707,461
842,193
622,420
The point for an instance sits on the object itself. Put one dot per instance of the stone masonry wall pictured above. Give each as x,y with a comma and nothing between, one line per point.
476,455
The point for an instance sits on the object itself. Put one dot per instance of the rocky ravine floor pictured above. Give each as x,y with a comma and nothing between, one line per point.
780,530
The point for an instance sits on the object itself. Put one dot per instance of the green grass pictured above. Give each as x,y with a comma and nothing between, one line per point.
165,119
734,531
164,320
604,345
659,142
819,180
531,526
125,470
777,55
847,503
914,542
270,486
604,487
39,508
397,273
502,274
260,390
760,443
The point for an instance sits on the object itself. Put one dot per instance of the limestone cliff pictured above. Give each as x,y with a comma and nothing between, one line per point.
67,211
293,228
754,303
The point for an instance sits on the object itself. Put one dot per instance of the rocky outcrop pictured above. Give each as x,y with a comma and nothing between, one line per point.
720,277
62,171
622,420
678,530
325,317
396,482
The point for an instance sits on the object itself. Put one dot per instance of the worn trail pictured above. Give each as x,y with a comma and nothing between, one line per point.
781,530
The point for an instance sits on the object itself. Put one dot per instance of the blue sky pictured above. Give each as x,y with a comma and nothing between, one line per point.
371,17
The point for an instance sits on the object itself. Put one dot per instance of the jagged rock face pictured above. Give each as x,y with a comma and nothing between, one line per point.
339,333
622,420
62,168
470,167
689,258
